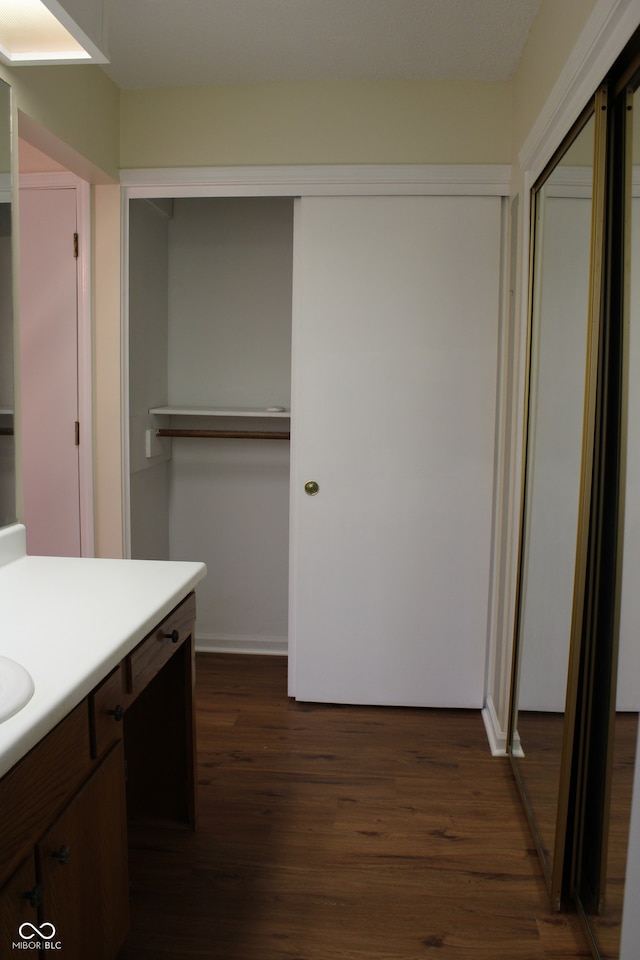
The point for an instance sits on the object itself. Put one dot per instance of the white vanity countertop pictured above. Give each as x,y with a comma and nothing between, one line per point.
70,621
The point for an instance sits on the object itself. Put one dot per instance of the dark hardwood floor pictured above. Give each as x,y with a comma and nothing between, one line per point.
541,737
341,833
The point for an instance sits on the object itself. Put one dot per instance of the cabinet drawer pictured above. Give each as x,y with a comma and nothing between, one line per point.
159,646
39,786
107,703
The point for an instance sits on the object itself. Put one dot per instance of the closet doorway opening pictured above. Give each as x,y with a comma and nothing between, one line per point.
209,386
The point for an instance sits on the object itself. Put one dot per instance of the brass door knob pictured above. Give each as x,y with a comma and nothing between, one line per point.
311,488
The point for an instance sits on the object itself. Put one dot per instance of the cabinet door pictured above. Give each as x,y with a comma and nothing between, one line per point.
395,339
19,900
83,866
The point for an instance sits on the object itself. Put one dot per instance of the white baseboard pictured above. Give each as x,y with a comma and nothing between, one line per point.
496,736
222,643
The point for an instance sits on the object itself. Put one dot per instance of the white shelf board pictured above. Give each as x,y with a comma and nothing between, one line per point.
182,410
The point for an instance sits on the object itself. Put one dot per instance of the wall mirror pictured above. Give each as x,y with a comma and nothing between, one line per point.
573,723
558,421
7,440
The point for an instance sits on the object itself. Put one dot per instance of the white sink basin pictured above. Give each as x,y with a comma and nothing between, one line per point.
16,687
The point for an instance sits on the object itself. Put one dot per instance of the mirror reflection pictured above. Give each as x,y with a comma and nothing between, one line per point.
7,444
559,324
605,917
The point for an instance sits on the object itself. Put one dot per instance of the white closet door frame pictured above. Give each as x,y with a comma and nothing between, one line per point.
407,181
482,180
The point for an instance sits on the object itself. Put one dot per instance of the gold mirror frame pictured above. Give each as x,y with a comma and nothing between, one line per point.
557,872
607,744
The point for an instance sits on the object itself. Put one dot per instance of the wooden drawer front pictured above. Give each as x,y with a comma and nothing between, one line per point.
40,785
158,647
107,703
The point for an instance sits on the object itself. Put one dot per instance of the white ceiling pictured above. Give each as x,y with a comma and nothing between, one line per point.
160,43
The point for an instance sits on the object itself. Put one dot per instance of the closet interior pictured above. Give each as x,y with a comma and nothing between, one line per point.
209,345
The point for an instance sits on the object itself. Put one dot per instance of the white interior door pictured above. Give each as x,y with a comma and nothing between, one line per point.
49,371
396,312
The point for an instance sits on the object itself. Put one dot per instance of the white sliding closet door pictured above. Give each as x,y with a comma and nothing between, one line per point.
396,307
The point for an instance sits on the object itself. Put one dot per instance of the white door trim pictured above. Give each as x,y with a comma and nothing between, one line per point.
314,181
59,181
124,378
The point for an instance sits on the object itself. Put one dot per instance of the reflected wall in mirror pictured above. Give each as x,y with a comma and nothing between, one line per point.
7,440
561,240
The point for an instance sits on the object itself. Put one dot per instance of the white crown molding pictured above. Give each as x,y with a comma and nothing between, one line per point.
609,27
309,181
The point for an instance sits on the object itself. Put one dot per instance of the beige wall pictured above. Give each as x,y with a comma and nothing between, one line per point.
73,109
316,123
79,116
554,33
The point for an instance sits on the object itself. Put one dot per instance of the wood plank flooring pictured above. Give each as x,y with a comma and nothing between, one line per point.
341,833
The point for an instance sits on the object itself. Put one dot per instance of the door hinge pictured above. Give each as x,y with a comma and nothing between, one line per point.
77,435
75,246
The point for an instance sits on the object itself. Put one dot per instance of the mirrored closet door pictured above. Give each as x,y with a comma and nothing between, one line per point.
559,453
610,696
574,706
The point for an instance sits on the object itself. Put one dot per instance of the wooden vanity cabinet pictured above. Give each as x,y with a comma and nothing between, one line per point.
74,875
159,723
67,804
82,864
19,901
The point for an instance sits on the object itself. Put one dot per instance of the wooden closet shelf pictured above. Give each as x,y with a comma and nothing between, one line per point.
224,434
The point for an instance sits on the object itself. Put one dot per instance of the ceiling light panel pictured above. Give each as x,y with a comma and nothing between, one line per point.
31,33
